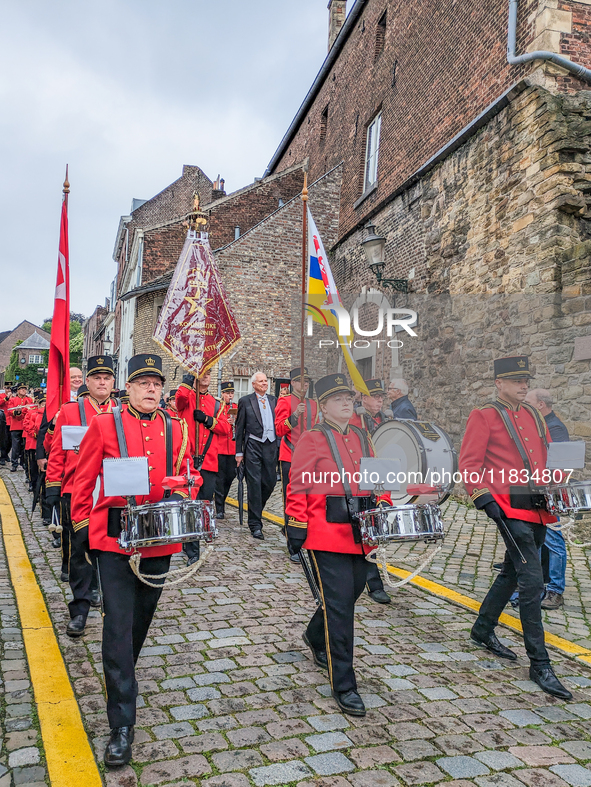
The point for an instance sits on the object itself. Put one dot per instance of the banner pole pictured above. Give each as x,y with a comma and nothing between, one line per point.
304,281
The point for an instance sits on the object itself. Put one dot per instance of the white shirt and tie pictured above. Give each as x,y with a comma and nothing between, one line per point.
268,422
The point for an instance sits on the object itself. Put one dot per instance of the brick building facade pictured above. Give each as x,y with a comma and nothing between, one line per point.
480,189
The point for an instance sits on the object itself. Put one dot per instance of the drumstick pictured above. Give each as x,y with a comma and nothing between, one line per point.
310,577
510,534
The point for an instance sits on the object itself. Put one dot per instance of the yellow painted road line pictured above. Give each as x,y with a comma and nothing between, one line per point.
570,648
70,760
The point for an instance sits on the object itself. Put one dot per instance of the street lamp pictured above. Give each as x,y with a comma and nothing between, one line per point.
374,247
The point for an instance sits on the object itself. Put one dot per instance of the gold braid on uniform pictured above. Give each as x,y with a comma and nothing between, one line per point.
77,526
185,435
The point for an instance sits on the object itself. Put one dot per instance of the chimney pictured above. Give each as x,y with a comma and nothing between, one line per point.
337,11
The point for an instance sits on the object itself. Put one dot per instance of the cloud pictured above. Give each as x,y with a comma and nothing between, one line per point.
127,92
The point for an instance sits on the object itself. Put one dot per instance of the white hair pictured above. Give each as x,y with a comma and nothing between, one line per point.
401,384
254,376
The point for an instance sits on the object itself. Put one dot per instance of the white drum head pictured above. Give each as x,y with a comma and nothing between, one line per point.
396,440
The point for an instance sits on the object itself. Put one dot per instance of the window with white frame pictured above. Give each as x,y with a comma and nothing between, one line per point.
371,152
242,387
35,359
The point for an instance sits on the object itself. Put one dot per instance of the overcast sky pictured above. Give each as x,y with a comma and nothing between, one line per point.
126,92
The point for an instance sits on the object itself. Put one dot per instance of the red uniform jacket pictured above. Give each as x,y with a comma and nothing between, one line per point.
31,427
16,422
226,442
488,455
288,427
186,402
144,438
62,464
306,493
367,421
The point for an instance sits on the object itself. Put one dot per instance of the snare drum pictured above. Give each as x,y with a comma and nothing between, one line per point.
568,498
401,524
168,522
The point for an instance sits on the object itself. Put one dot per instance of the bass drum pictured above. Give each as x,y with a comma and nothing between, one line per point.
422,449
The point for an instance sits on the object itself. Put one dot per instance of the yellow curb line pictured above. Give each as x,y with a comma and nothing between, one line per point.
570,648
69,757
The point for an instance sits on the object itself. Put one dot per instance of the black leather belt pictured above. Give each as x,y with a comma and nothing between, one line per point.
337,511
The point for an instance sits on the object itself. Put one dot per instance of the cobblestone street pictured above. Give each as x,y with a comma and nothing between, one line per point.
229,696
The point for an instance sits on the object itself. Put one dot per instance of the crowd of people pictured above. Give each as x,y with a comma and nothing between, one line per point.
190,432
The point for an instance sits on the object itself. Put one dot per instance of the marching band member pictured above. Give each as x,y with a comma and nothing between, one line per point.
503,450
212,422
226,454
321,519
128,603
291,414
59,483
16,412
30,430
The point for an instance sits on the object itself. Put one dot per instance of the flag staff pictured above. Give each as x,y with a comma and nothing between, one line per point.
197,223
304,282
66,191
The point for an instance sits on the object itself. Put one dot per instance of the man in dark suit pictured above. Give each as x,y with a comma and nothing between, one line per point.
400,404
256,446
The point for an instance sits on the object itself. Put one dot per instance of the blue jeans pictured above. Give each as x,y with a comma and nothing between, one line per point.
557,566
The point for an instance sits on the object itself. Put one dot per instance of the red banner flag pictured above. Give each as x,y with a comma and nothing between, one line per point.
58,375
196,325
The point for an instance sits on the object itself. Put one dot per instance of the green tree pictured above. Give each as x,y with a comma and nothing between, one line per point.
76,337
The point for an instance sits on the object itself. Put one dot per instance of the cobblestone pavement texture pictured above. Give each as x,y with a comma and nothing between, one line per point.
229,696
472,544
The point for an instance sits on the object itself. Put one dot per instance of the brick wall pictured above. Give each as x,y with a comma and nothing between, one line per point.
450,64
250,205
91,326
162,248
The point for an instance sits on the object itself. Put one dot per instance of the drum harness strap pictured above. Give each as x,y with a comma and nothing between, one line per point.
134,560
288,442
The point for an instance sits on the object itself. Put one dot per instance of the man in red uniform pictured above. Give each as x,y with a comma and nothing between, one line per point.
502,460
30,429
226,453
59,483
128,603
4,428
16,411
292,413
210,421
321,515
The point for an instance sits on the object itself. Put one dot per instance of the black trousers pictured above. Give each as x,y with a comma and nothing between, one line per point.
260,465
226,474
17,447
284,469
207,492
32,469
374,578
341,579
82,575
529,579
4,440
129,607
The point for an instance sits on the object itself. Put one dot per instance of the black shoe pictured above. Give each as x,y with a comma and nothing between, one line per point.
118,751
192,560
319,656
548,682
13,469
490,642
64,576
46,522
295,558
95,598
57,541
349,702
2,462
258,534
380,596
75,627
220,515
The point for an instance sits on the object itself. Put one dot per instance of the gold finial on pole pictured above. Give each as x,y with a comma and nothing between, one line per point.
305,189
197,218
66,183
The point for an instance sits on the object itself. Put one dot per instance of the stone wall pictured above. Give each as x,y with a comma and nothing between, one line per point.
496,244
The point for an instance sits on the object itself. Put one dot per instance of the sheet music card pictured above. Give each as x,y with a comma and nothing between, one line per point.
379,471
566,456
126,477
72,437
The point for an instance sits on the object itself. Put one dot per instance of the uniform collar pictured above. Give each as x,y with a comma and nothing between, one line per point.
337,428
508,406
141,416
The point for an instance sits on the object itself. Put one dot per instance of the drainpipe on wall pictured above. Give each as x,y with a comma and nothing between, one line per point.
577,70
